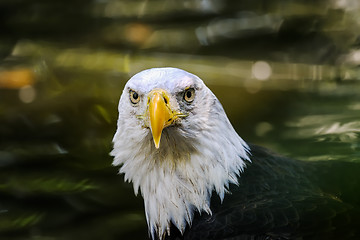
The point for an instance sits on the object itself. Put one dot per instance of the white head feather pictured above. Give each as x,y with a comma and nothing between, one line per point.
199,154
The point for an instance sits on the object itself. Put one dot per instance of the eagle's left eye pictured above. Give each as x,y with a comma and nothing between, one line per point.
189,95
134,97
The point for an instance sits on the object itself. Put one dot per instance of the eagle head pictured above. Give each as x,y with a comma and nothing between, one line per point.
176,145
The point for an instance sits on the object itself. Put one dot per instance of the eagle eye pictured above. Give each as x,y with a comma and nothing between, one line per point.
189,95
134,97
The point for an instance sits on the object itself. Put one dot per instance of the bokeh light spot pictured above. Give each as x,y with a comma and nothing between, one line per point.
27,94
261,70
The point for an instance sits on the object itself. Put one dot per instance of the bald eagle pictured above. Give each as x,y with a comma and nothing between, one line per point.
200,180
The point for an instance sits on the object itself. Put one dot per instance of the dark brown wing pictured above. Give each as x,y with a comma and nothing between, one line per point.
280,198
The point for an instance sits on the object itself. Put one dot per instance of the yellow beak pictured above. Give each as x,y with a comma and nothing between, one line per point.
160,114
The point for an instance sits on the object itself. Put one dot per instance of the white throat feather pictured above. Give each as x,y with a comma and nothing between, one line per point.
192,162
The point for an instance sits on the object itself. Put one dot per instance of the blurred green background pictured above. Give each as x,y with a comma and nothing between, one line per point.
286,72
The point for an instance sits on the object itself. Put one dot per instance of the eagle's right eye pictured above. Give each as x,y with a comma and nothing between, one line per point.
134,97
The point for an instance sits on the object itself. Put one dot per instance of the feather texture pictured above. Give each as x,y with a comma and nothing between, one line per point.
197,156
